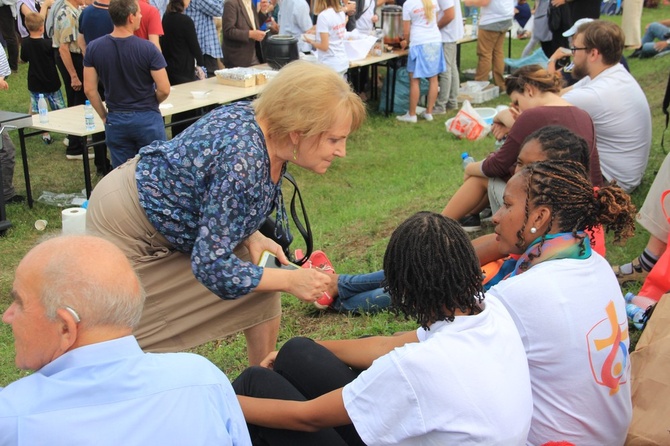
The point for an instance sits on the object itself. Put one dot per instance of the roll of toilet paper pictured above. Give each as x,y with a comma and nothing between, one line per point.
74,221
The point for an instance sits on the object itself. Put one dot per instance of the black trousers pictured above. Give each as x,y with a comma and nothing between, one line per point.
9,34
302,371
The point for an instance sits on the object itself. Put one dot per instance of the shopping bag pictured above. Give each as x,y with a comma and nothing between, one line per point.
650,385
657,282
468,124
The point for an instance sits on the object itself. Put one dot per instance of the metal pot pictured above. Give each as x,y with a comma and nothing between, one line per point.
392,24
280,49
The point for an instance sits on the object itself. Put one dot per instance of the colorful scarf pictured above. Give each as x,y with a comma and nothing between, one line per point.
563,245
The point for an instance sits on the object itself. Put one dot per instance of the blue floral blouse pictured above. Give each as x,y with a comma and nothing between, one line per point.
207,190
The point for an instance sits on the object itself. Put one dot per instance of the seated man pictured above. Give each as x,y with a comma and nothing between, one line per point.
76,301
655,31
461,378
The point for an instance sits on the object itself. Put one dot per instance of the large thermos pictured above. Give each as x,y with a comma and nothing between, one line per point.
392,24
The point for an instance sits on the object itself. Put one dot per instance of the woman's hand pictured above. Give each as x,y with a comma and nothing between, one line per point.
256,243
308,284
269,361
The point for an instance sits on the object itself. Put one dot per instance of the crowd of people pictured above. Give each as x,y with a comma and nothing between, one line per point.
170,259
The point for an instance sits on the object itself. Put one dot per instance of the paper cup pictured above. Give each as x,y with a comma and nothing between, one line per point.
40,225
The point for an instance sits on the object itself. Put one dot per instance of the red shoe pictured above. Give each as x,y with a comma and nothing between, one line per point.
324,302
319,260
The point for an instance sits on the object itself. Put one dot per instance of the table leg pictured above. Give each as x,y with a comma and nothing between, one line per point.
26,170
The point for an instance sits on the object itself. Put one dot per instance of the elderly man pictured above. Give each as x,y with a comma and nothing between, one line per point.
76,301
132,72
615,101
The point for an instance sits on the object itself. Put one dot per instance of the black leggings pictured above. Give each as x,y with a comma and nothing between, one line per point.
303,370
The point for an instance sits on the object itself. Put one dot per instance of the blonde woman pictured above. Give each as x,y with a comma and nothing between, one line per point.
426,59
331,26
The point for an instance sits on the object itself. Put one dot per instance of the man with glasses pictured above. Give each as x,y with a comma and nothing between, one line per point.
76,300
615,101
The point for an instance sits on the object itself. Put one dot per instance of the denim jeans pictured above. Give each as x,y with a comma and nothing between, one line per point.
128,132
361,293
655,31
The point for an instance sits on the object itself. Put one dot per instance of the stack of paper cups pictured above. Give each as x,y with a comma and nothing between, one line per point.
74,221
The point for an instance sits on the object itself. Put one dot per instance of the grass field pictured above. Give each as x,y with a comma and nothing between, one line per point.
391,170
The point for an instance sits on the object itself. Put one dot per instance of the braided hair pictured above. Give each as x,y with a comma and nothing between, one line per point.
431,269
560,143
564,187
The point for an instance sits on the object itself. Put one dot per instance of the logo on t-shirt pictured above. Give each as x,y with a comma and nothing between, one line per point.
608,350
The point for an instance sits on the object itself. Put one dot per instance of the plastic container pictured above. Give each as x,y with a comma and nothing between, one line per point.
89,118
467,159
475,23
487,114
636,315
42,108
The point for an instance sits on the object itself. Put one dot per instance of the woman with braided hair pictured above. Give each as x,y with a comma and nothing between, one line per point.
566,301
462,378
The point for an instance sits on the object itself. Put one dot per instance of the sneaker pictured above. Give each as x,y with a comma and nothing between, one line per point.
427,116
638,274
437,110
66,141
46,139
324,302
319,260
635,53
406,118
79,156
486,214
470,223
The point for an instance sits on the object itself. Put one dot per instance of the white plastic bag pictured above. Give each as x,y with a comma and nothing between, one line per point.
468,124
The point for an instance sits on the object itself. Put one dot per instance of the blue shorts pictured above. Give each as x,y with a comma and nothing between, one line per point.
54,99
426,60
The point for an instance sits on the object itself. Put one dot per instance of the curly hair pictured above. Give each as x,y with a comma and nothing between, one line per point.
564,187
431,269
560,143
536,76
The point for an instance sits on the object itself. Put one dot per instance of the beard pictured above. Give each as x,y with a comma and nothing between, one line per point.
579,72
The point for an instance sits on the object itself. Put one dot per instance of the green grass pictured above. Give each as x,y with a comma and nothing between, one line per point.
391,170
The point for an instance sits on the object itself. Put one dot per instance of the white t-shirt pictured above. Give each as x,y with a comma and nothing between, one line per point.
572,320
334,24
364,23
421,30
466,382
621,115
497,11
453,32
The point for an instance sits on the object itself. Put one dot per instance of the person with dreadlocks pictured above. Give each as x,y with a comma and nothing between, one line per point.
566,301
461,378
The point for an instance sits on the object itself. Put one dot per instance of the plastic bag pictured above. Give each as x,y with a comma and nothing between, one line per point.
468,124
62,200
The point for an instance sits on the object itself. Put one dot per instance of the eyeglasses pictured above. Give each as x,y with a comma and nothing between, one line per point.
573,49
74,314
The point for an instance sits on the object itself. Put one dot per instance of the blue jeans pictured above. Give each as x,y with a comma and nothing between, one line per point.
361,293
654,32
127,132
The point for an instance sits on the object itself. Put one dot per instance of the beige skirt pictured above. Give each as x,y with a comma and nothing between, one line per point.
179,312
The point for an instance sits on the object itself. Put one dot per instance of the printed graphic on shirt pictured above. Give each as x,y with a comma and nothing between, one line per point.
608,350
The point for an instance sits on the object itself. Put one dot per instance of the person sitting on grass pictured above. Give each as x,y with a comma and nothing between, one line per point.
566,301
364,292
461,378
655,41
536,103
76,300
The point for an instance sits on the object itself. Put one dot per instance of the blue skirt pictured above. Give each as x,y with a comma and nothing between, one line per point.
426,60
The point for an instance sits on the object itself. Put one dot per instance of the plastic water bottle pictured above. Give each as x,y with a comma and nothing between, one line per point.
467,159
636,315
42,108
88,116
475,22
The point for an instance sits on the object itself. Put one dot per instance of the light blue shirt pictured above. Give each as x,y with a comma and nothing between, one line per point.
294,20
112,393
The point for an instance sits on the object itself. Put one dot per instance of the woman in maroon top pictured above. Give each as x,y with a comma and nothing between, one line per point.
535,104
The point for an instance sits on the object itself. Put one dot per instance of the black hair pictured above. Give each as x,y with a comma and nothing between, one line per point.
431,269
564,187
175,6
560,143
